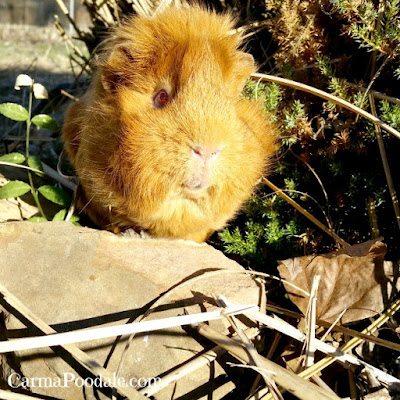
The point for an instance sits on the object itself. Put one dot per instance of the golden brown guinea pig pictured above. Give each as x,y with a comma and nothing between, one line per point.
162,140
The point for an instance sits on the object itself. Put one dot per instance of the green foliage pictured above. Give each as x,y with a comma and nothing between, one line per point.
13,189
372,28
14,111
35,163
61,215
273,95
325,66
55,195
266,232
13,158
297,112
37,219
243,244
269,93
45,121
327,153
390,113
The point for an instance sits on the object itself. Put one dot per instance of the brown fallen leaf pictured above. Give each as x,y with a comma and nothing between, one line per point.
355,278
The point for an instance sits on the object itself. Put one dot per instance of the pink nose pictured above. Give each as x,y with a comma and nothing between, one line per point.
202,164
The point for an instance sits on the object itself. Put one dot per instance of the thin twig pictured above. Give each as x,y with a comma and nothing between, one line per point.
338,328
199,360
32,139
304,194
64,9
8,164
322,364
335,322
377,95
373,219
27,135
311,322
334,354
374,78
84,335
386,168
328,220
284,378
254,356
277,278
299,208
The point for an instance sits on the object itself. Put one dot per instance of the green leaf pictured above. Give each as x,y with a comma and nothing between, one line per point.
14,189
55,195
34,162
37,219
14,158
45,121
14,111
60,216
74,219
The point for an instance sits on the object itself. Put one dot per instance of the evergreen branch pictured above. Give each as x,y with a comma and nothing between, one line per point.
327,96
299,208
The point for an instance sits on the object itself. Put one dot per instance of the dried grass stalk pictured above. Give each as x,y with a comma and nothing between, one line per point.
288,380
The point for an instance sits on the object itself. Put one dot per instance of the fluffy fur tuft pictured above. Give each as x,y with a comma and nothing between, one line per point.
137,163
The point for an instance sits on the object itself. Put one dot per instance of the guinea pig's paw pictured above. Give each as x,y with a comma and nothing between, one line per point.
135,233
145,235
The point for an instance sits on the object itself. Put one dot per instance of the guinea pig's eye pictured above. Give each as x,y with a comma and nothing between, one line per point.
161,98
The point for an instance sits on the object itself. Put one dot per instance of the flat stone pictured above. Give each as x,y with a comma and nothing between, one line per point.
74,278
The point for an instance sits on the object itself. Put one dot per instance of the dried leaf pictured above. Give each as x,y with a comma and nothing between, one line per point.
355,279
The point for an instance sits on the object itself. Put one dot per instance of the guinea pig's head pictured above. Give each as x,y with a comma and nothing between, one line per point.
174,81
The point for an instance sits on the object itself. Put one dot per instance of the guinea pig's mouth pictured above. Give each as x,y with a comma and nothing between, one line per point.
194,191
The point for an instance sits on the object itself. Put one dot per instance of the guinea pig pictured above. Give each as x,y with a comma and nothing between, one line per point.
162,141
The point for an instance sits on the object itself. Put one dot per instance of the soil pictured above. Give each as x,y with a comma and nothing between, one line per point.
38,52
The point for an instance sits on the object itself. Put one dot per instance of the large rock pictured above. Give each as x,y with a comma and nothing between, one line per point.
74,278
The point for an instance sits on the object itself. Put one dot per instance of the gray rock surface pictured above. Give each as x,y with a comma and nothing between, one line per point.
74,278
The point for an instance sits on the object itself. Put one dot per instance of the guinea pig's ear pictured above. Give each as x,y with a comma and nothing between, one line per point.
245,67
116,69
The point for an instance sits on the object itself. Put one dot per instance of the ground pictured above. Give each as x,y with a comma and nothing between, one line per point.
39,52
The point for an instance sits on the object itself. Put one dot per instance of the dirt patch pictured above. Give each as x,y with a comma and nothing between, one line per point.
40,53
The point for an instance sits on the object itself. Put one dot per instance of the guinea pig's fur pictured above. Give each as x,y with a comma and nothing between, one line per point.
182,169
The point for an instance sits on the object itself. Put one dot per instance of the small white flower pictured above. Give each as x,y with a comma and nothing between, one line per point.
22,80
40,92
